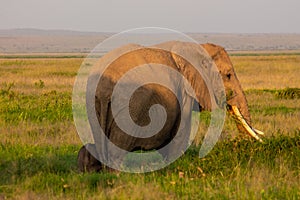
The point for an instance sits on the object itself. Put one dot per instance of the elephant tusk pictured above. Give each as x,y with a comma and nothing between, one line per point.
249,129
258,131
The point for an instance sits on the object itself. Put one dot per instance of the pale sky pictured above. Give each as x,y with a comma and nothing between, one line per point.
218,16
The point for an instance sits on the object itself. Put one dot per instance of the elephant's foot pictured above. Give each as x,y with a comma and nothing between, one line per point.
87,162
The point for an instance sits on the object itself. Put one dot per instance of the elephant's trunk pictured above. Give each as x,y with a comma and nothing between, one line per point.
239,100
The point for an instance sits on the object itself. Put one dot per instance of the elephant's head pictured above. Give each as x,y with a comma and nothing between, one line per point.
235,98
236,101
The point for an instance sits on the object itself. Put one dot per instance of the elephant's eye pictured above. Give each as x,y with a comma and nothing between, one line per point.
228,75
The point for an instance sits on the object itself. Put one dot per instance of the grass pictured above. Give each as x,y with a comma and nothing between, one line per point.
256,54
39,143
268,72
42,55
289,93
234,169
26,74
51,106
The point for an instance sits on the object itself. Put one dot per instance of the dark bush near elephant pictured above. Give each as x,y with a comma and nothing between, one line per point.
152,94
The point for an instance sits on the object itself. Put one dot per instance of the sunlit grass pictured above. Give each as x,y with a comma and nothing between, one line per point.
268,72
39,143
27,74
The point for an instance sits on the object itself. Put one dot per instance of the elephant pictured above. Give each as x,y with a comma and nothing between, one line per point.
140,105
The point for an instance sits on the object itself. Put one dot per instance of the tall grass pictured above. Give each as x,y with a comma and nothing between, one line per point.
235,169
39,143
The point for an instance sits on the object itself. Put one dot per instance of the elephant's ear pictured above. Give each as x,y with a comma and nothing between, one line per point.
194,86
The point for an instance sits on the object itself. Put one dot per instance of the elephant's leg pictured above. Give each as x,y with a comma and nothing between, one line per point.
164,149
178,145
117,147
181,133
107,143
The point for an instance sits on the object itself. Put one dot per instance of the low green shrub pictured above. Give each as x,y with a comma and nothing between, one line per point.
288,93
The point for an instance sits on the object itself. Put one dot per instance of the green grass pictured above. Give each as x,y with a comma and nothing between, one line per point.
265,54
51,106
38,56
289,93
286,93
229,171
39,143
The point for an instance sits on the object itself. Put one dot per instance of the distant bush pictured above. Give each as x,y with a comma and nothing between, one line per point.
39,84
288,93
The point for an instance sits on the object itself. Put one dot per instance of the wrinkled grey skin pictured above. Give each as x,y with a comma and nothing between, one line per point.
147,96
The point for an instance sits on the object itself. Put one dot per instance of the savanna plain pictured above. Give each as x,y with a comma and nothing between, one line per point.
39,142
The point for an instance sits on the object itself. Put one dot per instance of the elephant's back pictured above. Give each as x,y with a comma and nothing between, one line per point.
138,57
